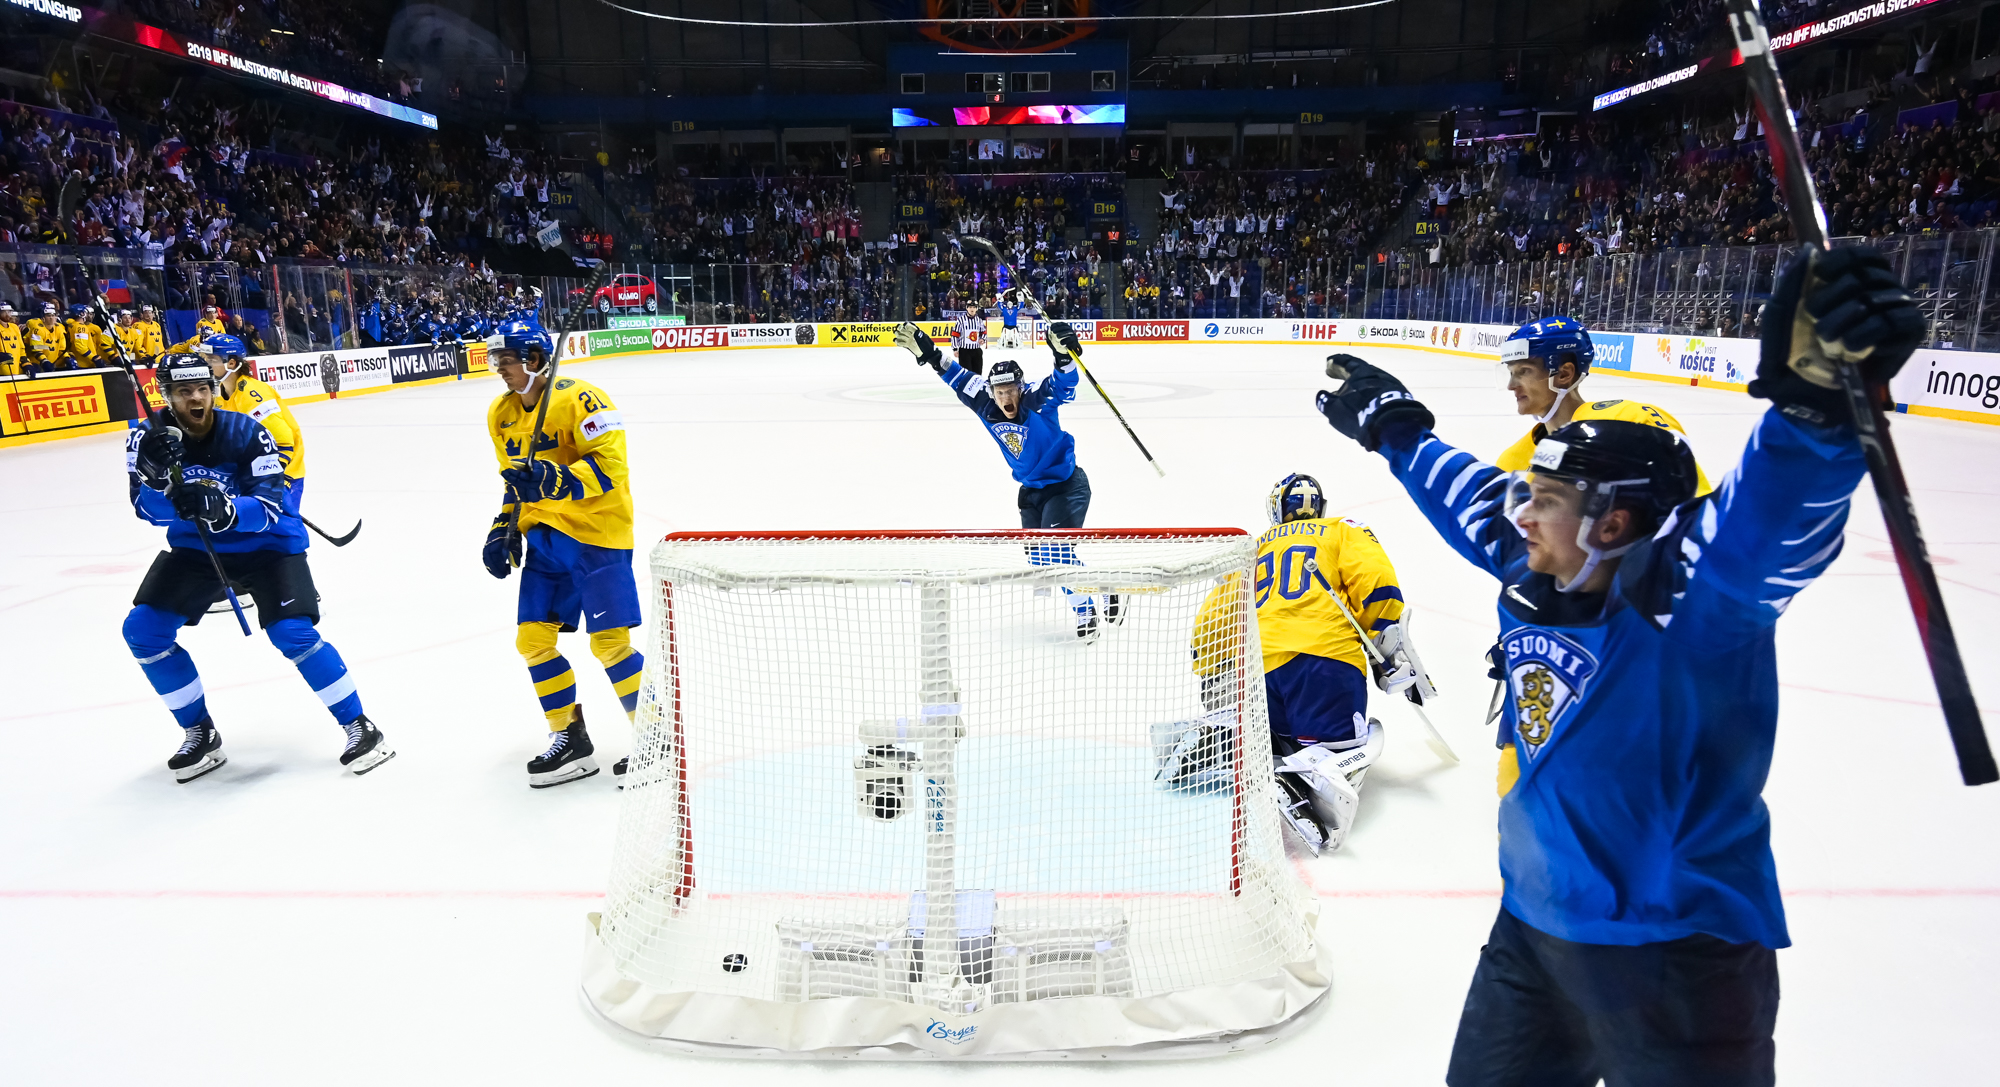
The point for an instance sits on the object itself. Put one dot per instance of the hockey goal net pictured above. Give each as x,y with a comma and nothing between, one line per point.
983,795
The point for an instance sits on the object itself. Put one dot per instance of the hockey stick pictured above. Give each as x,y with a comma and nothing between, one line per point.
1866,400
152,419
1077,358
1432,737
337,541
548,376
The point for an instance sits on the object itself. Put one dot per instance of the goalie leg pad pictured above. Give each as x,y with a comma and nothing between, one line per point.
1334,777
1195,756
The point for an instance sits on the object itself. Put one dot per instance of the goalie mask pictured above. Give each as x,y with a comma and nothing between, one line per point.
1611,463
1297,497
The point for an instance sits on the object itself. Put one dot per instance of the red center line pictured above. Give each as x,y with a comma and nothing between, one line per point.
24,894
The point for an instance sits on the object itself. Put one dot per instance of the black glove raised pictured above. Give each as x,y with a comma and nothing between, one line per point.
914,340
1370,403
1063,342
159,451
1828,308
201,501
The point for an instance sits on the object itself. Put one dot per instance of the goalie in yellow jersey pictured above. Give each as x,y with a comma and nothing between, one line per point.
1315,667
576,516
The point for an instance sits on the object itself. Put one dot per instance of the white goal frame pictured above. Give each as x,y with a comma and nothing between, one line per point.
860,984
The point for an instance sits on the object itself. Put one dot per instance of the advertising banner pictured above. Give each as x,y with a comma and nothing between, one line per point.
1141,331
423,362
868,334
1321,331
677,338
618,341
35,405
627,320
1952,384
475,357
1231,330
325,373
784,335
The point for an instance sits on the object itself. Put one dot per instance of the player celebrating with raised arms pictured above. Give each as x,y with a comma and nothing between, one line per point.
215,479
1021,415
569,479
1641,910
1012,303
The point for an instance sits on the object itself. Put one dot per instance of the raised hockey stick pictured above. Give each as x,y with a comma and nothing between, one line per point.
1866,401
570,321
982,243
1414,694
132,372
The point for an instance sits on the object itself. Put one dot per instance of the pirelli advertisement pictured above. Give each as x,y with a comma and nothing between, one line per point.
64,401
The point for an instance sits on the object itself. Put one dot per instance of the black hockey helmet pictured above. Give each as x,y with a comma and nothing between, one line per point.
1005,372
1619,463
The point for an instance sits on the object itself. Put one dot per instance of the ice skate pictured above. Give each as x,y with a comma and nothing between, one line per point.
366,748
201,752
568,758
1295,806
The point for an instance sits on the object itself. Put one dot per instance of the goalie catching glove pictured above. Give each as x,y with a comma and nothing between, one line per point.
1400,671
1370,403
914,340
1826,309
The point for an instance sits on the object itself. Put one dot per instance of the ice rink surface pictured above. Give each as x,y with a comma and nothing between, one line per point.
281,921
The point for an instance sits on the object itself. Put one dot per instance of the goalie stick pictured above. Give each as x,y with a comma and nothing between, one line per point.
1866,401
982,243
1418,692
570,321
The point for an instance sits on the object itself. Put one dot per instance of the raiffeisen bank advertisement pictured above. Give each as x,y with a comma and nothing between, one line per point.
166,41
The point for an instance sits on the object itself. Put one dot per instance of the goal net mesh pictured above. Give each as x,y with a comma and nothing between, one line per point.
953,771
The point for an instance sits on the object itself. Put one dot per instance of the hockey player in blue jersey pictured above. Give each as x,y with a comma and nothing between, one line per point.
1012,302
1021,417
200,471
1641,911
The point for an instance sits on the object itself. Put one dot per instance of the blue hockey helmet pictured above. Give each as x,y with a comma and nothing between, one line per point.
226,346
1549,340
79,311
520,337
1297,497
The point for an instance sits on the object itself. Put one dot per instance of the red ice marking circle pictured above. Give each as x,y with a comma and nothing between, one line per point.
1890,556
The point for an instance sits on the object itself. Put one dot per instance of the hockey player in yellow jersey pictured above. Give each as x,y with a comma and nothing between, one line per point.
1546,362
13,349
129,333
48,341
89,343
240,390
1314,665
210,324
152,338
569,481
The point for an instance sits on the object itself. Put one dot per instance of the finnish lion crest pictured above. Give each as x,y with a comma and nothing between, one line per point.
1012,436
1548,674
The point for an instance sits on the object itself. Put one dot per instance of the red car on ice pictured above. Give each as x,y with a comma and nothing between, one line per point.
627,291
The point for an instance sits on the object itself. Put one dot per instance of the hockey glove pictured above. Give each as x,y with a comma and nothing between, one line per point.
1063,342
1371,406
503,549
913,339
541,480
159,453
1829,308
201,501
